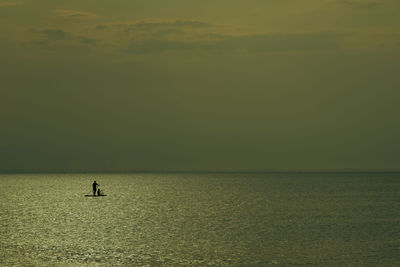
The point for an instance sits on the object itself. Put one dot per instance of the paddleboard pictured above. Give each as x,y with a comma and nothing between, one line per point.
95,196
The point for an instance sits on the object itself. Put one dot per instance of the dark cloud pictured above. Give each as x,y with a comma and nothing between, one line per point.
61,35
190,23
149,25
151,46
168,32
66,13
56,34
101,27
254,43
85,40
284,42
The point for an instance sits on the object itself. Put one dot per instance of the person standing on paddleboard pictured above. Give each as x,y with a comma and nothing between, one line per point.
94,187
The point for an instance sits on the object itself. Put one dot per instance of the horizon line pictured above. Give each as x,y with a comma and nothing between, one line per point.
345,170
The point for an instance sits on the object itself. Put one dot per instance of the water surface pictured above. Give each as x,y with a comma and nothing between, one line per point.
274,219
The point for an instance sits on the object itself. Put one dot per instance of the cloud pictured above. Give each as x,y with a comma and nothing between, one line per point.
163,33
156,29
369,5
159,24
67,13
160,36
86,40
7,4
283,41
354,4
156,36
159,45
252,43
61,35
56,34
101,27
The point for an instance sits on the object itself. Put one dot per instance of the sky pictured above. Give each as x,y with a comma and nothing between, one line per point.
188,85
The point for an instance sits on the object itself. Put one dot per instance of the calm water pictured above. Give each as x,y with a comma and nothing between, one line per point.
201,219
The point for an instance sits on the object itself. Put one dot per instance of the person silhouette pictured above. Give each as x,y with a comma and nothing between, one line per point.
98,192
94,187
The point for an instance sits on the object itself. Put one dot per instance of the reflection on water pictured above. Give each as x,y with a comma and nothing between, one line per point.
201,219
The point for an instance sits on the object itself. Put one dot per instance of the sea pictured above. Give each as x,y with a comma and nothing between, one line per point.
200,219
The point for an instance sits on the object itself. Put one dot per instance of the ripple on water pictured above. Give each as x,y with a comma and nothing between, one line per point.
200,219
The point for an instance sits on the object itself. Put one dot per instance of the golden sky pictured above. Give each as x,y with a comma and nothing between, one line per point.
199,85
